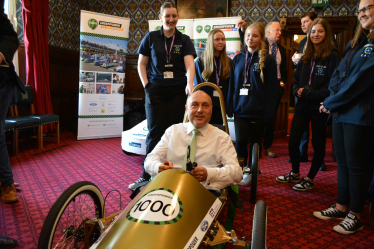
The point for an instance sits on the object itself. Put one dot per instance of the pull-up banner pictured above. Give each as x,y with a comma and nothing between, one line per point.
198,30
103,49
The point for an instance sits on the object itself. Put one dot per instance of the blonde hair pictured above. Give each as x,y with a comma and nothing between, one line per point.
361,31
208,58
262,49
327,46
167,5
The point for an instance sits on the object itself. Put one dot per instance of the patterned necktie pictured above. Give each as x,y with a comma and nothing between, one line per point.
192,144
274,51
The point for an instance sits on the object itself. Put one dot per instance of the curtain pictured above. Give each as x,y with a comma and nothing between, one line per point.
35,15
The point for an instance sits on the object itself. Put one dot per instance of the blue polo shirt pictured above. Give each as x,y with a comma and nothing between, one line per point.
153,46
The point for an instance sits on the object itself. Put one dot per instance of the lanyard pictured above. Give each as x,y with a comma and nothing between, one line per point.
217,71
311,71
246,70
168,53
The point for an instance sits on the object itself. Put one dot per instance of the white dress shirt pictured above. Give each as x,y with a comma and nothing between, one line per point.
214,151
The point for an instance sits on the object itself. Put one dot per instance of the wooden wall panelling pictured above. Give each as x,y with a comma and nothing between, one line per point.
133,85
64,80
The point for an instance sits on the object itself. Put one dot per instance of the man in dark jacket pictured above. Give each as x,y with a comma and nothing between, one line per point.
273,32
8,80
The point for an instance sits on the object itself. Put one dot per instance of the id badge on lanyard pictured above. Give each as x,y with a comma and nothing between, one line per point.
244,90
168,73
215,93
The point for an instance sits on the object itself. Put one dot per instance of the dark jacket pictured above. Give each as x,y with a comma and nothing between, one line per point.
8,46
310,100
283,65
351,88
261,101
223,84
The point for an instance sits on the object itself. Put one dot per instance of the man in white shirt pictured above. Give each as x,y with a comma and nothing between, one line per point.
215,155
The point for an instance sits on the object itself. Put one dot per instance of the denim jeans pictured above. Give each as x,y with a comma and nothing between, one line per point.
6,175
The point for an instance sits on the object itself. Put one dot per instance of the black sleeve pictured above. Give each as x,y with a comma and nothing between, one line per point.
8,39
283,65
188,48
145,46
296,78
241,34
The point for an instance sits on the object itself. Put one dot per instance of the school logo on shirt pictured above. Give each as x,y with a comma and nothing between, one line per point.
177,49
320,70
257,67
367,51
199,29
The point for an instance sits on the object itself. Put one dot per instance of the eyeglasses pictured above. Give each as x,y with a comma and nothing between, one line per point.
365,9
277,30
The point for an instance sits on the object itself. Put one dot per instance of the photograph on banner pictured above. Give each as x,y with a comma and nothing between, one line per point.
103,77
202,8
87,88
117,88
107,53
85,76
119,78
202,27
103,88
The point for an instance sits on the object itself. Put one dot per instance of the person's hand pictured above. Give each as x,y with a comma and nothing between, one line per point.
241,24
189,89
200,173
323,109
299,92
163,167
294,59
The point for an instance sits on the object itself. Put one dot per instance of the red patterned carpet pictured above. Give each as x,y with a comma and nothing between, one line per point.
43,177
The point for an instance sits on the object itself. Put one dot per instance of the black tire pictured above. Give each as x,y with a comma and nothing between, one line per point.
259,228
83,196
254,172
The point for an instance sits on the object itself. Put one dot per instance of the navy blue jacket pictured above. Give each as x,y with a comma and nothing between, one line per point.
352,96
261,101
309,102
223,84
153,46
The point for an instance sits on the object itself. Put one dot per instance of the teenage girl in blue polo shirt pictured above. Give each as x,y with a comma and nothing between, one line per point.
214,66
351,101
311,80
169,55
252,94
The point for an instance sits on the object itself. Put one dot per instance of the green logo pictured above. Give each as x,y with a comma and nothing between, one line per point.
157,28
207,28
199,29
92,23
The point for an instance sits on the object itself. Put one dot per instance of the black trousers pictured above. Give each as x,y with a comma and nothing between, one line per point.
354,149
245,129
269,124
164,106
318,140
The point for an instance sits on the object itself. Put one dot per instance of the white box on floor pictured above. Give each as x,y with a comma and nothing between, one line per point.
133,140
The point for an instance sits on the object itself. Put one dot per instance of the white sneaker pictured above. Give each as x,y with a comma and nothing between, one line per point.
247,179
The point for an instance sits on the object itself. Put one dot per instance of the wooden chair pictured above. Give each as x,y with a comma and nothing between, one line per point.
27,100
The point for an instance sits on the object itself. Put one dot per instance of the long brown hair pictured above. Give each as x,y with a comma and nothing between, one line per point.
208,57
324,53
361,31
262,51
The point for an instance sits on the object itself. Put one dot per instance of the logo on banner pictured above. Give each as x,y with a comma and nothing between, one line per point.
157,28
199,29
92,23
207,28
